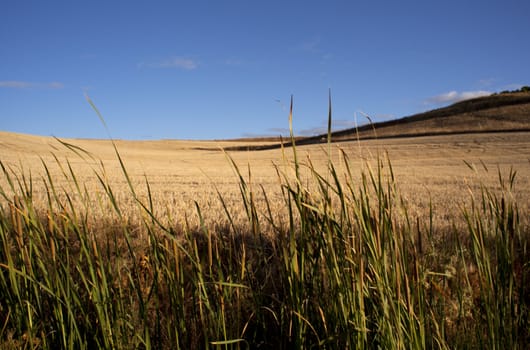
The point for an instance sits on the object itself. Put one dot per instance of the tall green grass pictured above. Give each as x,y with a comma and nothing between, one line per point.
349,269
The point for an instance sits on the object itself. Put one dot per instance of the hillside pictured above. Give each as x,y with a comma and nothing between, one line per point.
503,112
506,112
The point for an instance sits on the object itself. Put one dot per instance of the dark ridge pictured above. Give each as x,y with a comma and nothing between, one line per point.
473,105
466,110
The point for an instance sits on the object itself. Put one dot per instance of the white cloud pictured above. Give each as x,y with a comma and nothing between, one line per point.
177,62
184,63
55,85
454,96
16,84
473,94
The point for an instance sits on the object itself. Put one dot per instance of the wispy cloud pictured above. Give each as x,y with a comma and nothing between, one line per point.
184,63
179,62
233,62
311,45
17,84
454,96
55,85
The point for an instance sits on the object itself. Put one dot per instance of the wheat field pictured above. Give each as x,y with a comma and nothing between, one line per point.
396,243
438,169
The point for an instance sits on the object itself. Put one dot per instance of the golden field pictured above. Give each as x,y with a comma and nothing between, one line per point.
435,169
411,242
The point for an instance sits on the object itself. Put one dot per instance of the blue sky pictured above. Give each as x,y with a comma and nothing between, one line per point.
226,69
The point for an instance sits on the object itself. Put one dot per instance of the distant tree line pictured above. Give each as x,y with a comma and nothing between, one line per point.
522,89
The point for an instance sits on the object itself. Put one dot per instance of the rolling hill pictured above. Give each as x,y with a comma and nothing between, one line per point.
505,112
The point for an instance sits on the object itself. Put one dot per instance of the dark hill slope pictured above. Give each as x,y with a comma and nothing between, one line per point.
496,113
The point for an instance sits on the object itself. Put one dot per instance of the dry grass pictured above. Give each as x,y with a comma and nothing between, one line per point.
181,172
186,246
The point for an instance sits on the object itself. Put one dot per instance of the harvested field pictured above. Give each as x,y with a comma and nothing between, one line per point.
162,244
431,168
